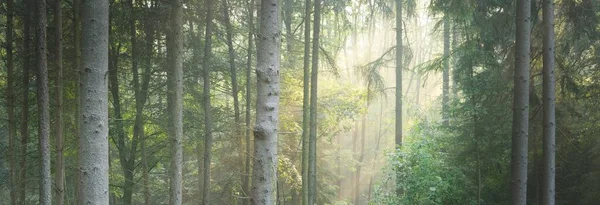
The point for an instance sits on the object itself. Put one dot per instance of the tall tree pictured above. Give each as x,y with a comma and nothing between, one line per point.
43,100
10,103
175,101
264,173
446,72
94,118
78,70
548,181
234,81
289,36
398,123
60,167
148,55
521,104
306,103
312,151
206,98
246,183
24,127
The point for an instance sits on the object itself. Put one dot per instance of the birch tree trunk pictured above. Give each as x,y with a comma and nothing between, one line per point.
94,101
521,104
264,175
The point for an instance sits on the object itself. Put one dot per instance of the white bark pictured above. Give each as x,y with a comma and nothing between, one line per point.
94,103
264,175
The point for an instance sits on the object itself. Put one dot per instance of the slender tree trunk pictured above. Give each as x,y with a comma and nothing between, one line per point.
78,70
246,182
207,106
43,100
375,154
175,101
548,181
355,157
521,104
454,44
60,167
312,162
446,73
10,104
25,103
306,103
360,158
289,37
398,132
125,152
264,175
94,118
234,82
149,42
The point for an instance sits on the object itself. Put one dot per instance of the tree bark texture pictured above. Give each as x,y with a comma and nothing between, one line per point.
60,167
312,158
549,142
175,101
207,105
306,103
398,112
521,104
43,100
264,174
94,103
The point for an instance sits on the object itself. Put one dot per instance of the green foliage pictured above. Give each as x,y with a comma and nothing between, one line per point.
426,172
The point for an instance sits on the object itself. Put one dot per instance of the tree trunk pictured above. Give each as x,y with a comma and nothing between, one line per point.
60,167
10,104
234,82
446,72
305,103
354,156
375,154
453,45
94,118
207,107
398,126
77,48
264,175
360,157
289,37
43,101
125,153
312,158
149,53
246,182
549,151
175,101
25,103
521,104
